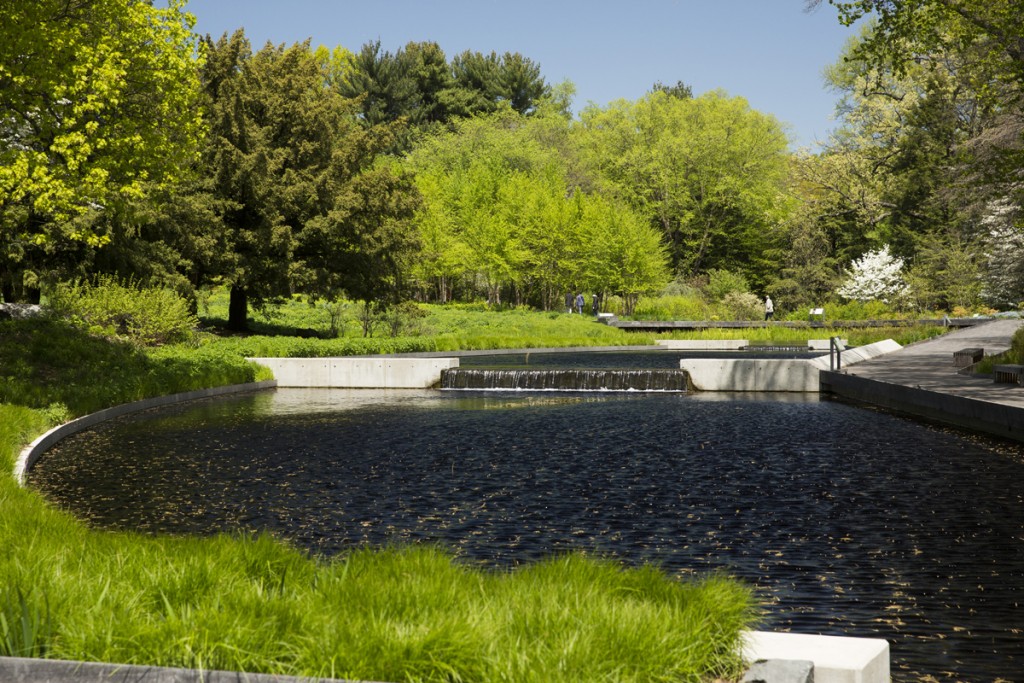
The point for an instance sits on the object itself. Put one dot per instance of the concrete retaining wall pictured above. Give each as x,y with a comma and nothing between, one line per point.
743,374
358,373
984,416
749,374
31,453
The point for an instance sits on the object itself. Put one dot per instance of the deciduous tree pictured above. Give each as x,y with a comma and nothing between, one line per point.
98,102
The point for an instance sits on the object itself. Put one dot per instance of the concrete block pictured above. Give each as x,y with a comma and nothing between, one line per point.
358,372
780,671
766,374
23,670
704,344
836,659
743,374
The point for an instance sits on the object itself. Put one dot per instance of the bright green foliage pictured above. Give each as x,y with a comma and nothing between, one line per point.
498,209
97,100
147,315
710,172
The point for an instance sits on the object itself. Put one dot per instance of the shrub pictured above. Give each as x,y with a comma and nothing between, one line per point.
676,307
741,306
862,310
145,315
723,282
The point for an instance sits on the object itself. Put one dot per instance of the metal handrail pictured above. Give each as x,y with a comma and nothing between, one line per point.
835,354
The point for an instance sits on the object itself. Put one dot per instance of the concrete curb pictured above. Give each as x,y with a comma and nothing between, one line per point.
836,659
23,670
999,419
30,454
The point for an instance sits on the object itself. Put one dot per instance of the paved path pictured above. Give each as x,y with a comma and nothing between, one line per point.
921,379
929,365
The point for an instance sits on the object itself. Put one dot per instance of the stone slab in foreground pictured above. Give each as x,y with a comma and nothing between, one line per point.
836,659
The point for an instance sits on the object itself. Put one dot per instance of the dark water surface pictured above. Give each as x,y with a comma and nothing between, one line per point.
850,521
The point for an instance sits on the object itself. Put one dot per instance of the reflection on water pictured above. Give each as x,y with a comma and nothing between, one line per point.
852,522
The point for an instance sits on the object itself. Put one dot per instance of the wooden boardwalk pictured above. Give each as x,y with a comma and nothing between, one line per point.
686,325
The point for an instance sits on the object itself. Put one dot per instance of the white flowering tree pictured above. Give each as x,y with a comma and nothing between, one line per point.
1004,284
875,276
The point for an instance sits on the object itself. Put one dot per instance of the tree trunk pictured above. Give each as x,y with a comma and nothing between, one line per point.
238,309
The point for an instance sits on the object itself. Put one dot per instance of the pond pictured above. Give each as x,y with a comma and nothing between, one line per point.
849,521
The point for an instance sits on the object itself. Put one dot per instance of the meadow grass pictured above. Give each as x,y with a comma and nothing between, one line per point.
253,603
466,327
855,336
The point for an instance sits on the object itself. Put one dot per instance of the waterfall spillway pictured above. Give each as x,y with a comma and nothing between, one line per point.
565,380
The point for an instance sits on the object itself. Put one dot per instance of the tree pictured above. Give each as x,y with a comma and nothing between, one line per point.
305,208
908,30
499,211
382,81
98,104
710,171
876,276
931,132
680,90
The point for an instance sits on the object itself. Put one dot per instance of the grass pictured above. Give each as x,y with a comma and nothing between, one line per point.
477,327
253,603
799,335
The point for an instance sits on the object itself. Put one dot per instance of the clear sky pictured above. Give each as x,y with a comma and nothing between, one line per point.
768,51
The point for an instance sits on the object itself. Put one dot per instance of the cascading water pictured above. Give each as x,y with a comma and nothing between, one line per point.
565,380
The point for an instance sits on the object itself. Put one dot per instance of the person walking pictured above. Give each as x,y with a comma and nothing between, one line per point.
568,302
769,309
579,303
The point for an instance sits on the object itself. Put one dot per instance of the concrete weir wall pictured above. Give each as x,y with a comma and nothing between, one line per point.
358,373
767,374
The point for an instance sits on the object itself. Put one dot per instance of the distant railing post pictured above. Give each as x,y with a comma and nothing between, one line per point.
835,352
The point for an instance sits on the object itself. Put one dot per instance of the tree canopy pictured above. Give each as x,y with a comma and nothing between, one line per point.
306,209
98,102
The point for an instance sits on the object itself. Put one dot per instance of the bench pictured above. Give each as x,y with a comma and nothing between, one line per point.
969,356
1008,374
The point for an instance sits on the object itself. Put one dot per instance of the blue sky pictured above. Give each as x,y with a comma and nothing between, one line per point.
768,51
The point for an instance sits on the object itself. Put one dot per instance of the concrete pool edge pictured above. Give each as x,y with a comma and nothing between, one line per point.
836,659
31,453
